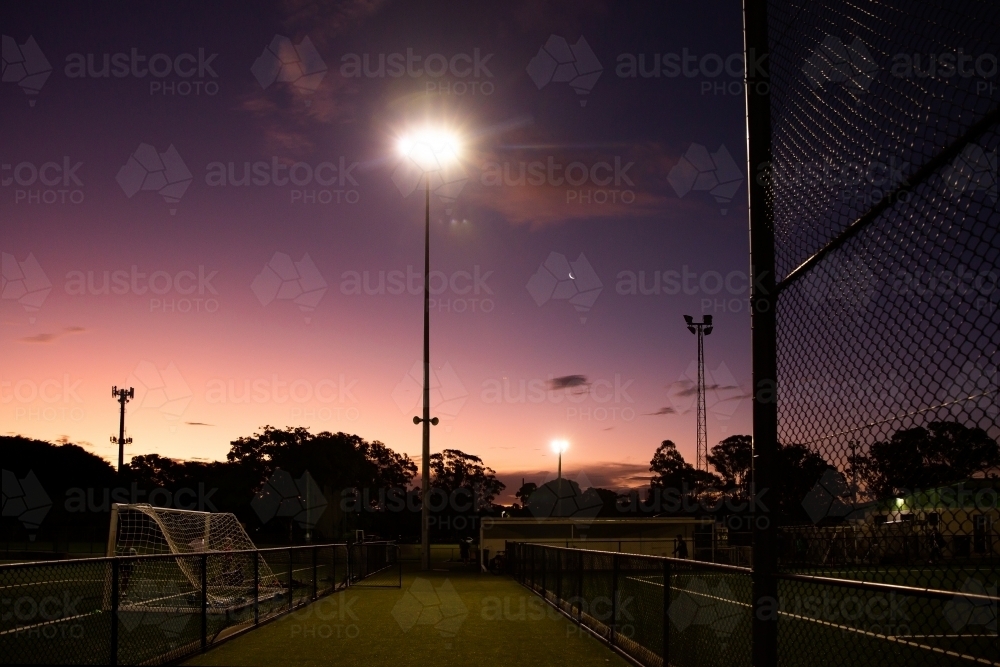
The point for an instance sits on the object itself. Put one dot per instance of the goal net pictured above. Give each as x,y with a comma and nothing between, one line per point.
141,529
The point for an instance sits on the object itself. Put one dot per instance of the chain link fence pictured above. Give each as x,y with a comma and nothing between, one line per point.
376,564
653,610
873,136
150,609
882,184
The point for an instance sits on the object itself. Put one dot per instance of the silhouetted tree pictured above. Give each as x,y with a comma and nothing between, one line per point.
453,469
609,500
671,471
732,459
339,460
797,469
69,475
924,458
524,493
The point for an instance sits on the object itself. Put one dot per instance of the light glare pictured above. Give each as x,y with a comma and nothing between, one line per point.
430,144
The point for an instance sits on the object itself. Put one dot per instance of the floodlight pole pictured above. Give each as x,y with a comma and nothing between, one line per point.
123,396
426,421
701,329
425,482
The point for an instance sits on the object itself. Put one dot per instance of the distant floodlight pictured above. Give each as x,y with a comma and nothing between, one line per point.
700,329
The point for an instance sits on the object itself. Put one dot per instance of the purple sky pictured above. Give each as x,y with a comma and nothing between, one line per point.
222,324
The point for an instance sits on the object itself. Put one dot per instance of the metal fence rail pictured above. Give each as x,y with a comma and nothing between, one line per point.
376,565
665,611
651,609
876,259
129,610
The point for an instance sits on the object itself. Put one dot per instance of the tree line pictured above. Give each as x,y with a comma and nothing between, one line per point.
367,485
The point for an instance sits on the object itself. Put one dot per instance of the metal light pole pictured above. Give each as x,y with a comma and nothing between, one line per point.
559,446
123,396
426,421
701,329
427,150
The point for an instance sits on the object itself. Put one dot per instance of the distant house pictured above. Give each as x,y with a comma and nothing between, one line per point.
959,521
965,515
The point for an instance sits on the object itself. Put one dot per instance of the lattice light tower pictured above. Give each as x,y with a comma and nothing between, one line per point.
701,329
123,396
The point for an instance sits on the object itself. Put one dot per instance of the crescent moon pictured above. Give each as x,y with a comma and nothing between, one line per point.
571,276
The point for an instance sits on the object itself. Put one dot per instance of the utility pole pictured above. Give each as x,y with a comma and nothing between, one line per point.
123,396
701,329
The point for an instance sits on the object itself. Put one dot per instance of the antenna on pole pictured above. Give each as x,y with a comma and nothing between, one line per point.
123,396
701,329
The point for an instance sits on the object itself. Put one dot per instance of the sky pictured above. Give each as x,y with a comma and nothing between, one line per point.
208,203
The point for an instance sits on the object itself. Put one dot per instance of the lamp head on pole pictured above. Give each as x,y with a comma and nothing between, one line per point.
430,148
705,325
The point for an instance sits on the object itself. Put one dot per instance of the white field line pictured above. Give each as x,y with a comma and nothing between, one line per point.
27,628
844,628
102,579
54,581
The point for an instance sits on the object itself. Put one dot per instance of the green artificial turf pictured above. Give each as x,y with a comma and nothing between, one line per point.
440,618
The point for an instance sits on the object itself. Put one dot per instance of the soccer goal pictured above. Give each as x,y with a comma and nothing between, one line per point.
141,529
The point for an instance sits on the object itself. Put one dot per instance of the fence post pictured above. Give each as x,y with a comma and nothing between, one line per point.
290,579
315,574
763,300
333,576
204,601
559,578
349,561
113,657
614,597
545,567
579,586
256,588
666,615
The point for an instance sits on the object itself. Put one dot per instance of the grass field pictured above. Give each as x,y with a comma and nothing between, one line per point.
821,625
58,612
450,616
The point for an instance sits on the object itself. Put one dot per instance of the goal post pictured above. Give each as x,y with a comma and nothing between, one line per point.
142,529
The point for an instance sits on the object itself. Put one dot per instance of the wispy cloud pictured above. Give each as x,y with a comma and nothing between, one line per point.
499,181
568,382
666,410
198,424
290,119
51,337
